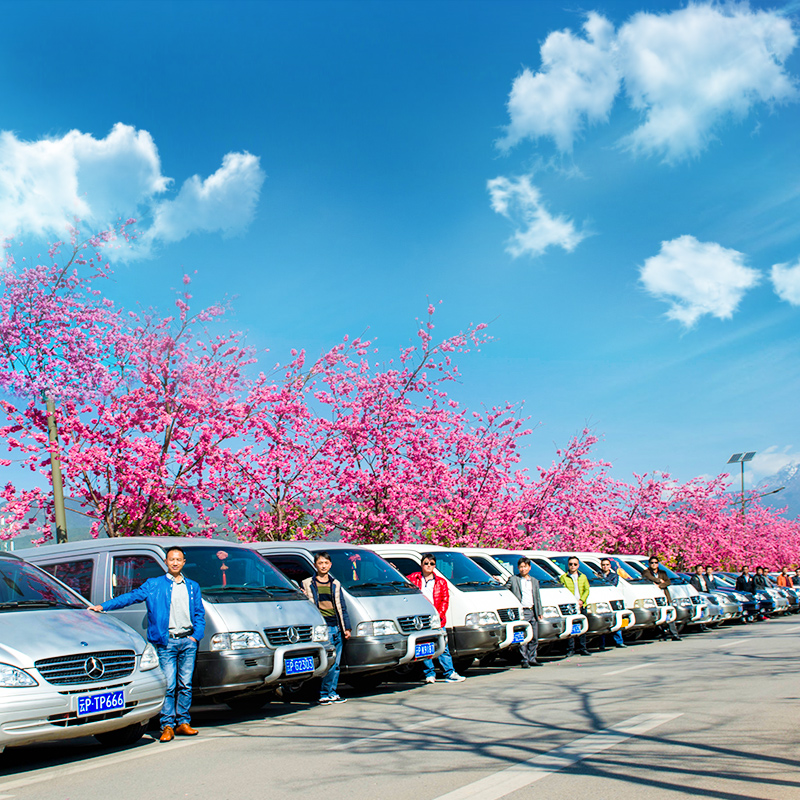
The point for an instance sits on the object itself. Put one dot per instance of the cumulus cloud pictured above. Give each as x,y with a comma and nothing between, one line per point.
772,460
46,184
698,278
786,282
536,228
576,85
686,72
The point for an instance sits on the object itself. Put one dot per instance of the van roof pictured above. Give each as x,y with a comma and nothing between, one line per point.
88,545
306,544
6,554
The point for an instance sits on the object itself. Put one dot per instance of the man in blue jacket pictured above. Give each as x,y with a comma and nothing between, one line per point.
176,621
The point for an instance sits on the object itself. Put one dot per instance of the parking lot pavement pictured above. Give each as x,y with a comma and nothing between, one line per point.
710,716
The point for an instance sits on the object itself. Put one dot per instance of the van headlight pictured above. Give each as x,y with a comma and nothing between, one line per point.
15,678
550,611
436,621
239,640
482,618
320,633
602,608
149,658
377,627
646,602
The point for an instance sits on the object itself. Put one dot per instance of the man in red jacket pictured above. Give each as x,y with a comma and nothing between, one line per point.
435,589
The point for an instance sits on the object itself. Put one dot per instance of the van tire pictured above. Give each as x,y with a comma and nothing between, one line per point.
366,683
122,737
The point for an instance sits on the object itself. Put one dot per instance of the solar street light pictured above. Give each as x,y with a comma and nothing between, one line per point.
740,458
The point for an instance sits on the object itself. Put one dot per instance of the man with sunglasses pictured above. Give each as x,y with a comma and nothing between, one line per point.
659,577
434,587
578,585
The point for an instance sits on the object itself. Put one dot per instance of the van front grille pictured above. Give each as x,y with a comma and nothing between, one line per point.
290,634
508,614
87,667
568,608
418,622
617,605
661,601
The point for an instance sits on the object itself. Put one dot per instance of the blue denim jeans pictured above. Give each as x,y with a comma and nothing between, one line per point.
177,661
445,662
330,683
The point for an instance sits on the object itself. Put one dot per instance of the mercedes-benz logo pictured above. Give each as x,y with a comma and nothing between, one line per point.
94,667
293,635
418,623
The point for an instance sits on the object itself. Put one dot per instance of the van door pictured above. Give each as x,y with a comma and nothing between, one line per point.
78,575
128,572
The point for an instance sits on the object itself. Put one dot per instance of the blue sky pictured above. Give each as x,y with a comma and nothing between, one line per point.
612,189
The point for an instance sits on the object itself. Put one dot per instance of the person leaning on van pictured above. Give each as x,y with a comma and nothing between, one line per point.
176,621
325,592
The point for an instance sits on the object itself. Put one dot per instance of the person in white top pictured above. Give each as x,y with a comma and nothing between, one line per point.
526,589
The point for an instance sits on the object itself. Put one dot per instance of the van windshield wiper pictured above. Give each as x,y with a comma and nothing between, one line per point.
475,583
38,604
240,589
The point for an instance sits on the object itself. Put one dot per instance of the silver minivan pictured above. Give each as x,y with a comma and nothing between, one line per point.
394,625
261,632
65,671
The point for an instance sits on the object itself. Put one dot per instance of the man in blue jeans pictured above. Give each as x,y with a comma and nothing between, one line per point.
325,592
176,621
612,579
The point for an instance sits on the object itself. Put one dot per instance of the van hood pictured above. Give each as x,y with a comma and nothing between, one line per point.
48,633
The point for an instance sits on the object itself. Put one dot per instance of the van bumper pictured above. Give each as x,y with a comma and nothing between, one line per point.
571,621
43,714
601,623
375,653
476,640
225,671
624,619
514,628
551,629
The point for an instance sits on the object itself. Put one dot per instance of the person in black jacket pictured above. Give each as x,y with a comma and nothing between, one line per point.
745,582
659,577
710,579
760,579
526,589
699,580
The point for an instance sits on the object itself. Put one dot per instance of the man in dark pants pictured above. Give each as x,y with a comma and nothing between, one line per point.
612,579
325,592
578,585
176,621
701,583
656,575
526,589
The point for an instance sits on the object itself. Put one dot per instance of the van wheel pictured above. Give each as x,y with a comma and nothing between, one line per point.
461,665
366,683
123,736
248,704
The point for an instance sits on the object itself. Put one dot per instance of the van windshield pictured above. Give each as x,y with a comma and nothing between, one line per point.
623,570
236,575
23,586
594,580
463,572
364,573
511,560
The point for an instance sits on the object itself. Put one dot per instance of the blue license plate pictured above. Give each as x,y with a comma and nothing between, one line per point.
576,628
101,703
294,666
424,650
519,636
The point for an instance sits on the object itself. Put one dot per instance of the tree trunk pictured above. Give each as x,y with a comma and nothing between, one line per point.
55,471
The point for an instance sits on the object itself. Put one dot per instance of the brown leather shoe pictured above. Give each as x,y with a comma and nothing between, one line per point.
184,729
167,735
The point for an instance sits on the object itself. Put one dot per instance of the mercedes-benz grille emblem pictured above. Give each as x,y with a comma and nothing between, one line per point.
292,635
94,667
418,623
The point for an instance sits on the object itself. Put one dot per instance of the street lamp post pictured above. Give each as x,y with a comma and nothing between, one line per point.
740,458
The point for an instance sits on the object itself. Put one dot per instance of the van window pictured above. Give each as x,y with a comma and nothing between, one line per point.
24,586
491,568
296,568
76,574
364,573
405,566
130,572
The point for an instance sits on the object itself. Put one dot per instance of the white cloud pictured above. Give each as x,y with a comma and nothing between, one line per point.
698,278
786,282
577,84
46,184
686,71
536,228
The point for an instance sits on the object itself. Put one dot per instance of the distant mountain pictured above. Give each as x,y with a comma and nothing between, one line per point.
789,496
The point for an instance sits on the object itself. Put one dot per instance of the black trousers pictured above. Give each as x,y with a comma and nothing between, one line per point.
528,651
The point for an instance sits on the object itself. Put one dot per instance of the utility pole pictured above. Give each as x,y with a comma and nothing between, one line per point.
740,458
55,471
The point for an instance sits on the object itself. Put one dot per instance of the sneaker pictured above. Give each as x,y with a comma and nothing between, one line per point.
325,701
454,677
430,679
337,699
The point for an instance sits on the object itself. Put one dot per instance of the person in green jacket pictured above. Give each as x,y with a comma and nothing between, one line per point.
577,584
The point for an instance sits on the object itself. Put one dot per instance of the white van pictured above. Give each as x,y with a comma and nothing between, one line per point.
648,603
394,625
559,611
482,616
605,611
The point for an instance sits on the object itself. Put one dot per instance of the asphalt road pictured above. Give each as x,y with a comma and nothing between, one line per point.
712,716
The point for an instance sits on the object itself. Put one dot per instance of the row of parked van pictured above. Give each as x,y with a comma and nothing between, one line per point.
67,672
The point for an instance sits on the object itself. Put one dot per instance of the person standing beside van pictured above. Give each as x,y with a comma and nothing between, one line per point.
176,621
526,589
785,579
435,589
325,592
659,577
578,584
612,579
